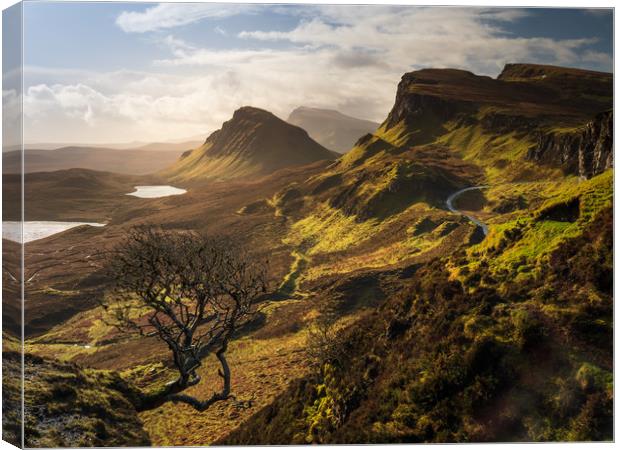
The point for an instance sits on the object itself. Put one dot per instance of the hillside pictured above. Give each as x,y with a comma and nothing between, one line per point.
436,331
252,143
480,357
79,195
66,406
139,161
504,338
330,128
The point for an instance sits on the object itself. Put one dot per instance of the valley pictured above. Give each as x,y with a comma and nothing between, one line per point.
461,249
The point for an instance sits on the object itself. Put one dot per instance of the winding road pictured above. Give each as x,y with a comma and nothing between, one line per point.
454,196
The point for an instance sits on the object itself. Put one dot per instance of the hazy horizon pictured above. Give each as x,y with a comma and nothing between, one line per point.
160,72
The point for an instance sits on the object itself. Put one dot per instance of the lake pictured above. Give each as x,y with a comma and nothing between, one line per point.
39,229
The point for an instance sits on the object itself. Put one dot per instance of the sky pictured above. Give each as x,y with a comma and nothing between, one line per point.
121,72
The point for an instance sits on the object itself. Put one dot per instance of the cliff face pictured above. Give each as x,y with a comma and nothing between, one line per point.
498,120
417,98
586,153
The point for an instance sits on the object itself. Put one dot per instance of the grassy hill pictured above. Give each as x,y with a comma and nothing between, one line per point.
253,143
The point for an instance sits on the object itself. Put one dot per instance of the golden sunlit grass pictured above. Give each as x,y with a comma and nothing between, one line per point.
262,368
382,257
329,230
501,157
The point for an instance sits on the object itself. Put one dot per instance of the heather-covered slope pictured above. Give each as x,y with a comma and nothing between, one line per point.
253,143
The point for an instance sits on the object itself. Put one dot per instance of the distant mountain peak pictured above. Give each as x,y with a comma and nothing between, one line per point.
330,127
306,109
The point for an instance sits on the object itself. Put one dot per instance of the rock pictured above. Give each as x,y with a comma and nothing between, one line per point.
596,155
411,105
586,152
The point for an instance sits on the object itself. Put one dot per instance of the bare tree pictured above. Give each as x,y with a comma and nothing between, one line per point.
190,291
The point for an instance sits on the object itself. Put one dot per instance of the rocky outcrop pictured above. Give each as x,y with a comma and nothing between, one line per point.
498,123
597,152
586,152
415,102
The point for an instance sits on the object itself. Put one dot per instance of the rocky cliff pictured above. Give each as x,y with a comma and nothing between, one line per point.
421,101
586,152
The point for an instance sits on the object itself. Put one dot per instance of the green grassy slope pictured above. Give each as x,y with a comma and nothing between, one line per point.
474,355
67,406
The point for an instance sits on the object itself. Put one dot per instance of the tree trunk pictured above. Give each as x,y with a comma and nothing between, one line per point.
171,393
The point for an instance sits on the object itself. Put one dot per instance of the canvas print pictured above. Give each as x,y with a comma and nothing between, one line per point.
243,224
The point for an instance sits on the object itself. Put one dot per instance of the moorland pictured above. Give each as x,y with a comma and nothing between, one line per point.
435,327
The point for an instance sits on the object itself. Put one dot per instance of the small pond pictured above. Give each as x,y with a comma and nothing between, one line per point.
156,191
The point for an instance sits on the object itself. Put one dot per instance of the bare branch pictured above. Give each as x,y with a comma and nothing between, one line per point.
190,291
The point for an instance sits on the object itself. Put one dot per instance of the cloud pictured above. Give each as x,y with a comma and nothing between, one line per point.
169,15
11,118
81,112
470,38
339,57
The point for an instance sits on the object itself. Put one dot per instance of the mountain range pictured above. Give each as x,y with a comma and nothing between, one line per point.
138,160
